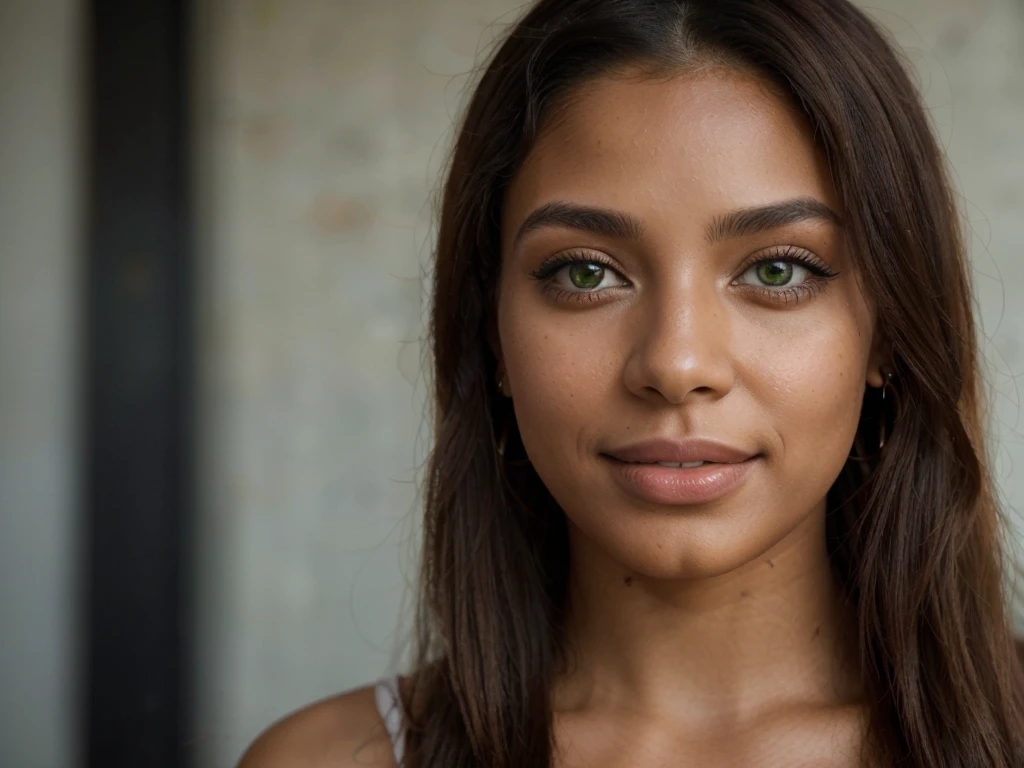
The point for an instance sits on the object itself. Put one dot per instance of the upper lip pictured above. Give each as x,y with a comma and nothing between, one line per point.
679,451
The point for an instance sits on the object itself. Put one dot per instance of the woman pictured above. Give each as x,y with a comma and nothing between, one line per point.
709,482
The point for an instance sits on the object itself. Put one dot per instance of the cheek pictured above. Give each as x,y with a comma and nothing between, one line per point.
562,367
813,391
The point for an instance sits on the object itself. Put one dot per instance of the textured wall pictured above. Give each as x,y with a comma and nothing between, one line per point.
323,128
39,175
324,124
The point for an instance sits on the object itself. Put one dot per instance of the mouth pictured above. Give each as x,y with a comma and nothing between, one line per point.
679,473
690,453
674,464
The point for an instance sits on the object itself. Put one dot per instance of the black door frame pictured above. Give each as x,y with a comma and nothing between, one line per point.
137,385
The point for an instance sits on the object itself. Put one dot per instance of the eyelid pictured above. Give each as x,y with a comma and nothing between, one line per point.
557,261
818,268
792,253
819,274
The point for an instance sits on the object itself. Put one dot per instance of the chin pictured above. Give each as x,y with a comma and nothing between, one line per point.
671,547
695,544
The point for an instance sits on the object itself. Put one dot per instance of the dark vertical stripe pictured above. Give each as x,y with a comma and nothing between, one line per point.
137,385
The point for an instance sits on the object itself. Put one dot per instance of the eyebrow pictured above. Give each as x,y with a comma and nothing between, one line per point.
597,221
623,226
749,221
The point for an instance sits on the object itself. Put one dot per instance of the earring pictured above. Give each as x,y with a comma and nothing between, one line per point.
887,388
503,386
502,440
881,422
503,437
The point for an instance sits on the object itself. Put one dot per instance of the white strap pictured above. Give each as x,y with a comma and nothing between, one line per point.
389,704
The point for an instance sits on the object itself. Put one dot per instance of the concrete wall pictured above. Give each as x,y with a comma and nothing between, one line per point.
39,195
323,125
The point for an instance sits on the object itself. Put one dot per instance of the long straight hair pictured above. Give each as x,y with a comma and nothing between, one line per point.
914,533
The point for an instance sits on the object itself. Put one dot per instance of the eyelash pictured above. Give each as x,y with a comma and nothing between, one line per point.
820,273
553,265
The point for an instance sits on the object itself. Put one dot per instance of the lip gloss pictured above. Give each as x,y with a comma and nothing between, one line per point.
656,484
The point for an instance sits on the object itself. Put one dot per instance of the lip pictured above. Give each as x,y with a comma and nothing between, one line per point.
692,449
635,469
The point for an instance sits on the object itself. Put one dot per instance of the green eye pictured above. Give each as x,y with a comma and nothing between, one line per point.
775,273
586,275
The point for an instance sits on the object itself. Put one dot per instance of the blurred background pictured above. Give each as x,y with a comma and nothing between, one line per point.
215,220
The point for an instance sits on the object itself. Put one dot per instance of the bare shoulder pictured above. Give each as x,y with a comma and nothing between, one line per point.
340,732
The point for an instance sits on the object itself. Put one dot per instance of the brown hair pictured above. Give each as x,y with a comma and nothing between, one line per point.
914,533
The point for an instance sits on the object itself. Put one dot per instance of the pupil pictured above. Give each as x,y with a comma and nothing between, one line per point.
775,272
586,275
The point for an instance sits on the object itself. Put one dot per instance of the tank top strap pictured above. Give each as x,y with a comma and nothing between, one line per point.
389,704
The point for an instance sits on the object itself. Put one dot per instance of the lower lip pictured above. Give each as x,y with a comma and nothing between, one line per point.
666,485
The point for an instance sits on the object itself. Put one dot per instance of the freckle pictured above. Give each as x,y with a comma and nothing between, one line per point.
628,581
770,563
744,594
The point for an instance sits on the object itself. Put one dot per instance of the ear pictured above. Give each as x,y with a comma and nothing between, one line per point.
879,361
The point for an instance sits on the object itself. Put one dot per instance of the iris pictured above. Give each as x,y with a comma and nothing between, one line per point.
775,272
586,275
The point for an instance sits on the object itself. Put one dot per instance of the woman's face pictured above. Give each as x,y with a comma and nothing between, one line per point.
676,288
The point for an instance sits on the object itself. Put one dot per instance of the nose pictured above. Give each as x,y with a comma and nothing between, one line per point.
682,348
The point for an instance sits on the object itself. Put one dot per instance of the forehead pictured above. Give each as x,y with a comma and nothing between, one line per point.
672,149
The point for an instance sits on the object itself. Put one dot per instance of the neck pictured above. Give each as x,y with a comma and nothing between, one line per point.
772,632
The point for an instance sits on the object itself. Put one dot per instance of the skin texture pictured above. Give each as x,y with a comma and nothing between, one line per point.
707,631
709,634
